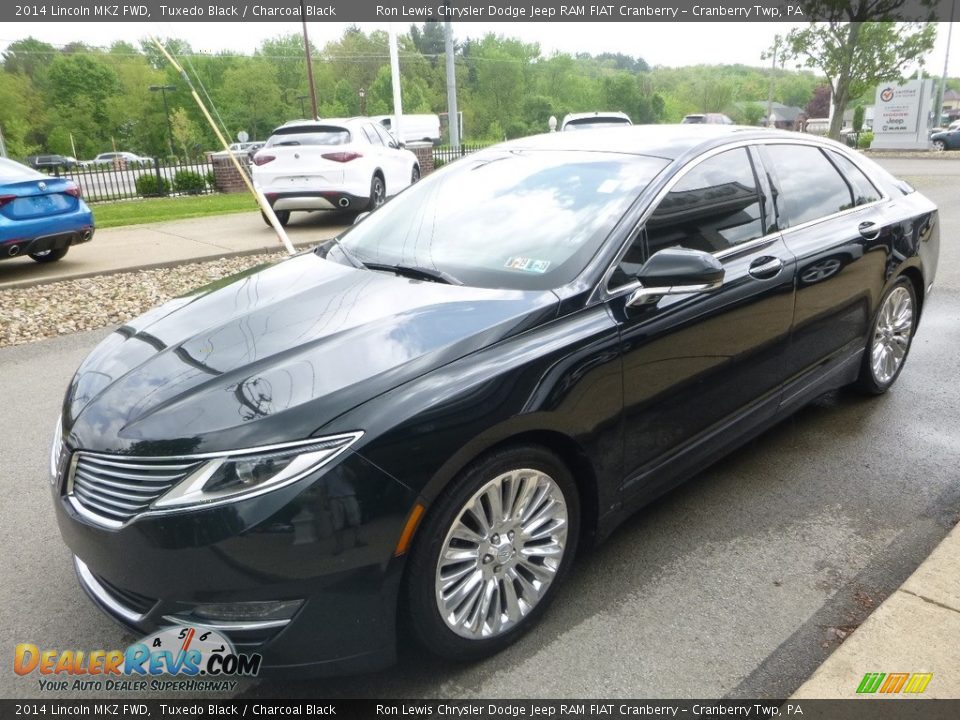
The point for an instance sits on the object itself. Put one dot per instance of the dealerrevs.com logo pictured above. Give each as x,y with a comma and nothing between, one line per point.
202,655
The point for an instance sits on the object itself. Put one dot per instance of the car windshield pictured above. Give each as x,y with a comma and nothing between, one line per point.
526,220
309,135
11,172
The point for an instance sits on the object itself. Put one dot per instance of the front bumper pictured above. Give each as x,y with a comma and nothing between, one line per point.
304,542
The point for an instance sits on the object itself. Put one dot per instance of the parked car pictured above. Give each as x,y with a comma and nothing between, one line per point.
336,164
413,128
40,216
706,119
591,120
946,140
51,162
418,423
129,158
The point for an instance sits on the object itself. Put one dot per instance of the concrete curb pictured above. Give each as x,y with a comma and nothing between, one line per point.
915,630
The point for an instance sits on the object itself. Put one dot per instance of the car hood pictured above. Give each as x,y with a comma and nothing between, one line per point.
273,354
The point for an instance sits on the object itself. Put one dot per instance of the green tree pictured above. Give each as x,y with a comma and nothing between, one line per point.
856,48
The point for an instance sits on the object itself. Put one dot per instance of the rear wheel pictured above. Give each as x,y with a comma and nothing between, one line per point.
49,256
283,217
415,174
378,193
890,339
492,552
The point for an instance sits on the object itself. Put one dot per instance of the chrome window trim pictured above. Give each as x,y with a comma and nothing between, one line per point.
604,292
102,595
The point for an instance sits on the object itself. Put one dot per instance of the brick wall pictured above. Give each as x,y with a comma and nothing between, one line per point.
225,174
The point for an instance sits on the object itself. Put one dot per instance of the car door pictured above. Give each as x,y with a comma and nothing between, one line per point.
400,158
702,369
384,159
834,221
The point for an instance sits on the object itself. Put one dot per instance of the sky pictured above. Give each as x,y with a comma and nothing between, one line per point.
659,43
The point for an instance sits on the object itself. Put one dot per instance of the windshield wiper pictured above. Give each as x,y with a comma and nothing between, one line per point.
417,272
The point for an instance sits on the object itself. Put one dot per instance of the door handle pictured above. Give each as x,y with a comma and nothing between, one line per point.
766,267
869,230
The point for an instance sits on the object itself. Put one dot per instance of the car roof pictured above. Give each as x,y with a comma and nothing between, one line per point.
665,141
325,121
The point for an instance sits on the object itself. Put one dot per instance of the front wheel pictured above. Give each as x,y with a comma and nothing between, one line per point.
890,339
939,145
492,553
49,256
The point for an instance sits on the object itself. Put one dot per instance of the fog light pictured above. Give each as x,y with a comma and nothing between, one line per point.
244,612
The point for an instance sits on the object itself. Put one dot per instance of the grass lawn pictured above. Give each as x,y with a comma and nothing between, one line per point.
134,212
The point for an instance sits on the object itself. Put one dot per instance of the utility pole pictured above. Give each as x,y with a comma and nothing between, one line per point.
773,70
946,62
306,50
453,117
395,76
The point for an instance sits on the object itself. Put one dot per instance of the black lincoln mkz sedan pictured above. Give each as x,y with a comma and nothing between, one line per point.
415,425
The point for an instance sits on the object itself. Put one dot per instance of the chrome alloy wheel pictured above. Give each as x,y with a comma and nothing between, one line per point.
891,335
501,554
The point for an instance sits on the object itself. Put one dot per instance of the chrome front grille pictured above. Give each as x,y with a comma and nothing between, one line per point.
115,488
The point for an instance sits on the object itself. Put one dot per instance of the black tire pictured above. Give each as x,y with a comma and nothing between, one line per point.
939,145
415,174
420,595
49,256
283,217
868,382
378,193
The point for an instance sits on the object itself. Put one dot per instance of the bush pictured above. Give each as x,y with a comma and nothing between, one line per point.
211,178
148,186
865,140
189,182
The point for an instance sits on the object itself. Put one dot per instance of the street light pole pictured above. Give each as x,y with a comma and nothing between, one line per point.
303,110
363,101
162,89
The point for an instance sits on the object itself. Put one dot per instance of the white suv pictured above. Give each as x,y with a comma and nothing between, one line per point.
336,164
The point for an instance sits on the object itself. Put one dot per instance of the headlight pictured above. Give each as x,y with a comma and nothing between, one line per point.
56,449
247,473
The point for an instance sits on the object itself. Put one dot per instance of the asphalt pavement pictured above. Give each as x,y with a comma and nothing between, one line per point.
740,583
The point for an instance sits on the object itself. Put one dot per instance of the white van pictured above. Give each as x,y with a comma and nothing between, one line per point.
414,128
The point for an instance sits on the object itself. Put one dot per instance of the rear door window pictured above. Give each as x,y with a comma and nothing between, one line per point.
863,190
810,186
371,134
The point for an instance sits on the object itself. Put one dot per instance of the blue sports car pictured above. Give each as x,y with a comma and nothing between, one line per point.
40,216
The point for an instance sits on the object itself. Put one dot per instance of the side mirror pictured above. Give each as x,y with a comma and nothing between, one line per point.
361,217
676,271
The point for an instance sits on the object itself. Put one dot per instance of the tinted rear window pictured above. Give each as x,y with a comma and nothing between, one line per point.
588,123
811,187
309,135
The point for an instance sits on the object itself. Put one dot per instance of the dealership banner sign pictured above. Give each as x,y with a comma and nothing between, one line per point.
407,11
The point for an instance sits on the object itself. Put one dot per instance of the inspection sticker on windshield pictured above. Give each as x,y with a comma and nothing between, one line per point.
528,265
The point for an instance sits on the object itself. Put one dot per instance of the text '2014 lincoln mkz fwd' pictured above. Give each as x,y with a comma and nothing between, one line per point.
415,425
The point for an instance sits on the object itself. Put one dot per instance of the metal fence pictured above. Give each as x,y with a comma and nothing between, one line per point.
443,154
154,178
